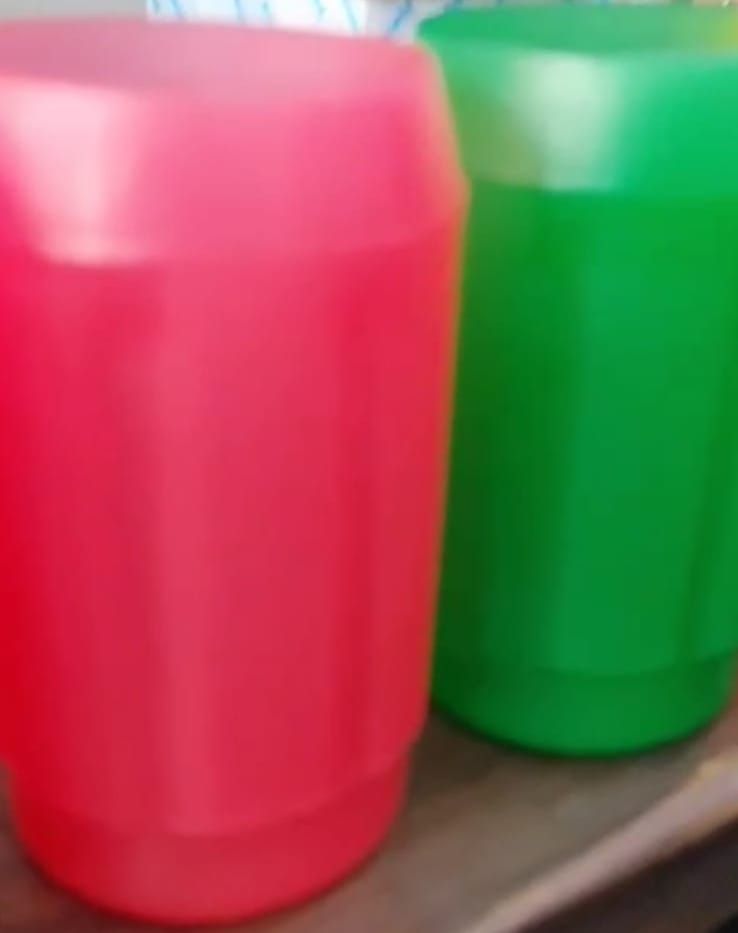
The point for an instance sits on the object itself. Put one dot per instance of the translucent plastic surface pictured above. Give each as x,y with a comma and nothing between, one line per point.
227,331
589,602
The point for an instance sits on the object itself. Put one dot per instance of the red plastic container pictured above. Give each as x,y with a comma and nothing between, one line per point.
228,311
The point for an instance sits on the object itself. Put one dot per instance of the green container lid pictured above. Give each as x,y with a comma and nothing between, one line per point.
589,602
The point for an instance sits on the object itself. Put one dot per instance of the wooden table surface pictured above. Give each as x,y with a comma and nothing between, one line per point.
484,824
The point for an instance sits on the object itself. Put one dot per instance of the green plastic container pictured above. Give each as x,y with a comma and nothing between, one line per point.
589,600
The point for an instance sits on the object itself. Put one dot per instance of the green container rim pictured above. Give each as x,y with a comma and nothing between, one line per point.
624,99
614,31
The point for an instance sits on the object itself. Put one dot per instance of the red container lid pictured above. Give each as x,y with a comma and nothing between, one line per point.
270,139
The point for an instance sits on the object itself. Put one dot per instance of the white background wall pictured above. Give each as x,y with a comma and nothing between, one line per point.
16,8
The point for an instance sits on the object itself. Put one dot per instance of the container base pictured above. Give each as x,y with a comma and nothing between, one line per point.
576,715
198,879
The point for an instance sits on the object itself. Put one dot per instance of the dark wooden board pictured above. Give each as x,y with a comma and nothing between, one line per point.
483,825
696,893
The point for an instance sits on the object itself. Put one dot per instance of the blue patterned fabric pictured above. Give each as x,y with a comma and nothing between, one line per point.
396,18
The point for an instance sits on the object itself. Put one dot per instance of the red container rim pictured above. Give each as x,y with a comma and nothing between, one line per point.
123,139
